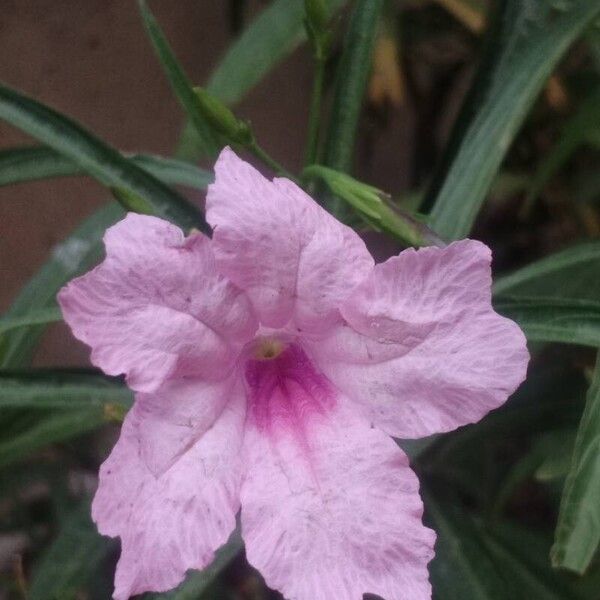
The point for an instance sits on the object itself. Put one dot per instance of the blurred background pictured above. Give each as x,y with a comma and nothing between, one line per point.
92,60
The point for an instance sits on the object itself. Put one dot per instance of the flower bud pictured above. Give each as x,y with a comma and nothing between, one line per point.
222,119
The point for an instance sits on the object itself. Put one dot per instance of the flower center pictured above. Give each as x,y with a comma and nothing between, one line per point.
285,391
268,348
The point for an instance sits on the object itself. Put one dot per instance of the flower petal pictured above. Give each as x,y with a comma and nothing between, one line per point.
156,308
176,521
176,416
335,513
272,240
423,351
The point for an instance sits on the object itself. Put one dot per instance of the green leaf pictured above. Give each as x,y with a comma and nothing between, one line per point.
554,320
39,316
578,530
80,251
57,426
19,165
197,582
525,43
271,36
351,81
72,560
474,562
276,31
575,133
52,390
181,85
556,299
572,273
95,157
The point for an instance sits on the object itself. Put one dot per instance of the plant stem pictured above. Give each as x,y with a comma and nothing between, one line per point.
270,162
312,147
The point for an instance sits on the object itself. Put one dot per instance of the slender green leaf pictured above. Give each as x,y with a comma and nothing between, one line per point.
72,560
57,426
80,251
197,582
578,531
527,40
271,36
554,320
276,31
181,85
573,273
477,563
95,157
39,316
30,163
43,391
575,133
556,299
352,76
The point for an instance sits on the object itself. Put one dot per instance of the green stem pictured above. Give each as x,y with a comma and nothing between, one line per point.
312,147
269,161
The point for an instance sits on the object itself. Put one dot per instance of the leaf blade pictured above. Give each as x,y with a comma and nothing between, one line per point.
577,533
525,45
94,156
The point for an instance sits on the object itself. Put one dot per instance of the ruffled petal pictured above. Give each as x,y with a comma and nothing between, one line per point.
422,350
174,522
271,239
334,512
156,308
176,416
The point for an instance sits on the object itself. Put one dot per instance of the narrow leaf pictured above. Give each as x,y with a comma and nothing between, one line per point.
526,42
554,320
72,559
181,85
31,163
474,562
575,133
43,391
39,316
271,36
276,31
352,77
578,531
58,426
94,156
80,251
556,299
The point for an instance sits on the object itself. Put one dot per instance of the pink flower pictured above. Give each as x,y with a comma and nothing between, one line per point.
271,365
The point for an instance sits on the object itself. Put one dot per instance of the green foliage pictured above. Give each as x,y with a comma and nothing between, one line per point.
182,87
527,40
485,551
475,561
95,157
79,252
556,299
72,560
31,163
275,32
582,128
351,81
578,529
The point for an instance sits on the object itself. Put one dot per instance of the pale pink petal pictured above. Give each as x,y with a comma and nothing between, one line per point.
422,350
174,522
271,239
330,507
174,417
156,308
